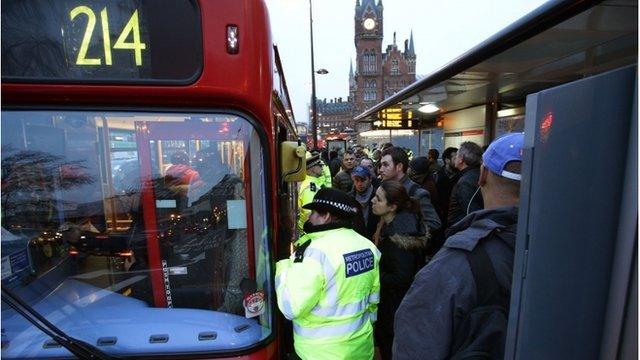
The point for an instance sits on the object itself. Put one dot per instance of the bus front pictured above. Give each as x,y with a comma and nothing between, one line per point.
136,207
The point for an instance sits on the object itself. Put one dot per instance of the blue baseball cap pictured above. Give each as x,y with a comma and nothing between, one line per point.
501,151
361,171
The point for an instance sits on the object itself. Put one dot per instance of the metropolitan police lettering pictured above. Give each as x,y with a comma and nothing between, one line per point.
358,262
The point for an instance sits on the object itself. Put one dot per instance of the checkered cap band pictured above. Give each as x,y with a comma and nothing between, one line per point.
313,161
337,205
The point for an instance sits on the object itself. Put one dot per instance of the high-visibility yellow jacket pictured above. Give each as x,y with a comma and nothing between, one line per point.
307,190
331,292
326,175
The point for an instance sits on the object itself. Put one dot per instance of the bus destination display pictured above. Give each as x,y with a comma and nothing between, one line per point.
97,41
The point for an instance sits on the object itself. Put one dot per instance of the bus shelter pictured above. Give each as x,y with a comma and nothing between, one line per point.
565,75
481,94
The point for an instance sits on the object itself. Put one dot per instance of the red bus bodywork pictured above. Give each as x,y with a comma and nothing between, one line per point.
245,82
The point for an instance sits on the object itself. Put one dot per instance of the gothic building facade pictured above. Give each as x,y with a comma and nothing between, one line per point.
377,74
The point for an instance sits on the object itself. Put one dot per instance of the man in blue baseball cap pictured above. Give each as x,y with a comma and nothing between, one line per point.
363,191
458,303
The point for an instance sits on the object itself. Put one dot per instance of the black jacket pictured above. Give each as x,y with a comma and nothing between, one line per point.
430,217
444,185
462,193
334,166
402,244
342,181
372,222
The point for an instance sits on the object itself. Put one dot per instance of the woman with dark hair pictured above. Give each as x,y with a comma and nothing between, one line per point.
402,241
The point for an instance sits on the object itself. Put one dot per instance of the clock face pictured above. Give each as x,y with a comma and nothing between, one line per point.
369,24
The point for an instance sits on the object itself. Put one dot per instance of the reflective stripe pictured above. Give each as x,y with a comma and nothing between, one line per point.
332,330
331,288
374,297
341,310
287,309
285,298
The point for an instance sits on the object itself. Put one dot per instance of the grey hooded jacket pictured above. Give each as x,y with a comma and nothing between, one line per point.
443,292
430,218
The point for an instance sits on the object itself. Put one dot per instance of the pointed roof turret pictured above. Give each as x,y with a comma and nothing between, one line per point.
370,2
411,49
350,68
364,5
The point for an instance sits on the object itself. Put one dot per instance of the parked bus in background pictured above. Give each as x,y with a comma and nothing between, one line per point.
149,160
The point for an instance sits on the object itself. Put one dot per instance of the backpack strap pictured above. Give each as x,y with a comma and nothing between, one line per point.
488,288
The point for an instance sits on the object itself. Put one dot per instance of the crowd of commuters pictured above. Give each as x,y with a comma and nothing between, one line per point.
402,240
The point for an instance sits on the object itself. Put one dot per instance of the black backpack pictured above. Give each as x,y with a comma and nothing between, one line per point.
482,332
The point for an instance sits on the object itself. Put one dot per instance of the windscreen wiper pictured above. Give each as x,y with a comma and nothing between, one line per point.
77,347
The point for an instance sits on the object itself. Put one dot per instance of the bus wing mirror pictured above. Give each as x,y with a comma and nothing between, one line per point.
293,161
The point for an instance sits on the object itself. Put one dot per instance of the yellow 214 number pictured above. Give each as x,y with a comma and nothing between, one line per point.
132,27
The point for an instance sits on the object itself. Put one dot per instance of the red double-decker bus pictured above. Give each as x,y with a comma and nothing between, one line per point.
148,158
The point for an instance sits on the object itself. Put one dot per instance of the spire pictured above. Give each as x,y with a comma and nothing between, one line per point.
357,3
394,38
411,49
350,68
379,3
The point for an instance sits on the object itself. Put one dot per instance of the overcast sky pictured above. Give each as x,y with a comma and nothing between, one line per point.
442,30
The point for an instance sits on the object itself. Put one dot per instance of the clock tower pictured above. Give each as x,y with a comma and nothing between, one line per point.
368,41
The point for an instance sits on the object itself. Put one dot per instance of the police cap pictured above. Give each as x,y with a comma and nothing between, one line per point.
333,201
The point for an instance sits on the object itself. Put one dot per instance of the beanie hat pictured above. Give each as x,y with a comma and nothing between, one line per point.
419,165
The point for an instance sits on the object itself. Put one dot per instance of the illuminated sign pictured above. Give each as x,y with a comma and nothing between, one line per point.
395,118
92,41
464,133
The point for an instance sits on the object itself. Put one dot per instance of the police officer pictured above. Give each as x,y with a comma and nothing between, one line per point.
309,187
330,286
326,175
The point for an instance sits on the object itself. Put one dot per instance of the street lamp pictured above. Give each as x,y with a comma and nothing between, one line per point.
314,110
314,119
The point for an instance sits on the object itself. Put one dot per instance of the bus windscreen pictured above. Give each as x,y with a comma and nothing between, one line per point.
101,41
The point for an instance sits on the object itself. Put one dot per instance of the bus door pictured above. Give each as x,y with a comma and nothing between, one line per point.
195,208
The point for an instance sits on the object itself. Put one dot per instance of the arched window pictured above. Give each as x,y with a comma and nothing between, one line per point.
369,62
365,62
374,65
394,67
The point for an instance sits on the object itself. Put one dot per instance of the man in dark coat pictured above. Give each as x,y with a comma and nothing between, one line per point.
420,172
445,178
342,180
432,157
465,195
363,191
334,163
393,166
444,291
